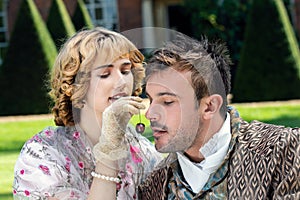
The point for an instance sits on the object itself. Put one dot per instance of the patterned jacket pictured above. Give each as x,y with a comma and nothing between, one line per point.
263,162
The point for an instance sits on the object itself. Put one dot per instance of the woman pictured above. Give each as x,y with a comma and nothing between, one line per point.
93,152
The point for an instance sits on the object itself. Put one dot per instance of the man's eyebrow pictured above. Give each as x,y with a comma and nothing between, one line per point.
163,94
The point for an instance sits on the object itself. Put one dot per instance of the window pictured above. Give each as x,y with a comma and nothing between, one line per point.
3,29
103,13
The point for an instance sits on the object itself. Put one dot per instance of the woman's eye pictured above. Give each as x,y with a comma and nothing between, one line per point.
126,72
104,75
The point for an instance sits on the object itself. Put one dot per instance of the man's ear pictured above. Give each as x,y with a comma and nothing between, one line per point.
211,105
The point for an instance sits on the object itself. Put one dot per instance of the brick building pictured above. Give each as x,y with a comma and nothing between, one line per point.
117,15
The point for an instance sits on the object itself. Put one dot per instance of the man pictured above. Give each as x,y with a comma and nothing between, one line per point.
214,154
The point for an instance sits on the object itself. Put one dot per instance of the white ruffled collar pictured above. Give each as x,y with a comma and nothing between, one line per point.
214,152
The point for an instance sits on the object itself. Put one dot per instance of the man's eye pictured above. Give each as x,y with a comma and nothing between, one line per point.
168,102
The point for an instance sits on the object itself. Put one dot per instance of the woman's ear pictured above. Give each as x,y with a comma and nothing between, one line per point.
211,105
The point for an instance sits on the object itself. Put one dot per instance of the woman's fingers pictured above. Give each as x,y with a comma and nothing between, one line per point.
124,102
132,108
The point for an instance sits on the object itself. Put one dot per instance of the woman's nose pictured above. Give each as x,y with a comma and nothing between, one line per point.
120,80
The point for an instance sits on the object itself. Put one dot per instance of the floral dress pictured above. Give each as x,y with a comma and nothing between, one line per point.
58,161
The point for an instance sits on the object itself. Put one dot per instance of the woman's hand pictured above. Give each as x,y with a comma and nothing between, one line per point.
115,118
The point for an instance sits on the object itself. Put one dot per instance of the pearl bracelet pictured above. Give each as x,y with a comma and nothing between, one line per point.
108,178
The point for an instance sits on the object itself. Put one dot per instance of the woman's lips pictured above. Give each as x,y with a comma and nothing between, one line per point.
116,97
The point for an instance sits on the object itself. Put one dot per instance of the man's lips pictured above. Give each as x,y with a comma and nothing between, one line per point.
158,132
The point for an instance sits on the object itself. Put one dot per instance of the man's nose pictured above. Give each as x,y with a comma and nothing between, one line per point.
155,112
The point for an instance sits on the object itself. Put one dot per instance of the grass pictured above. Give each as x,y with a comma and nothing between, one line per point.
13,134
7,163
287,114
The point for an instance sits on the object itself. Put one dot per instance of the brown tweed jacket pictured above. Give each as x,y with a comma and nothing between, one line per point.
264,164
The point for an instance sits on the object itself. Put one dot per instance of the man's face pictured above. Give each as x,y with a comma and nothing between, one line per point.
173,112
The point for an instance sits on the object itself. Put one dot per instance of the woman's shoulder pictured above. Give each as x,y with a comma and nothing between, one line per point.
59,145
51,162
46,136
39,141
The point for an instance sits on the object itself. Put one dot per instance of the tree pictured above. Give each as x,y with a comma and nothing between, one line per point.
223,20
81,18
29,57
59,23
270,61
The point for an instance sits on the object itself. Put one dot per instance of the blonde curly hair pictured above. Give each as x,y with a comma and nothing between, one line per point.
71,73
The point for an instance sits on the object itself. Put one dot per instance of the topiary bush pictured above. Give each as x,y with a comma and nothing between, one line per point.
59,23
269,68
81,18
30,55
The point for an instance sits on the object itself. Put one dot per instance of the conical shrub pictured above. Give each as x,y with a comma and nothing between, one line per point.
269,68
59,23
30,55
81,18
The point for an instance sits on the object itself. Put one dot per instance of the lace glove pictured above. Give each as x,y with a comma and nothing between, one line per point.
111,145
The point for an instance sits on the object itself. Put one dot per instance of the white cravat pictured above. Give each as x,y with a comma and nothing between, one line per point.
214,152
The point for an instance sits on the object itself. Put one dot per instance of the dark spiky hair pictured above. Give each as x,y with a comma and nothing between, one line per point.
220,55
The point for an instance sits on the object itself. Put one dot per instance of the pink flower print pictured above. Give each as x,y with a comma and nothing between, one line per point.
76,135
134,151
22,171
37,138
14,192
68,164
88,150
68,167
72,194
118,186
67,144
122,174
68,159
47,194
27,193
128,180
129,168
81,165
45,169
48,133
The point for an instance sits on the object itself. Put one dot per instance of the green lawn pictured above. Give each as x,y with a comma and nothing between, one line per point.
287,114
14,134
7,162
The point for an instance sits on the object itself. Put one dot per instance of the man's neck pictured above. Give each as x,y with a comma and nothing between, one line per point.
205,133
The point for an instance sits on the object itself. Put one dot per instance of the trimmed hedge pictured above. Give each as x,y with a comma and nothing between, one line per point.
29,57
59,23
270,61
81,18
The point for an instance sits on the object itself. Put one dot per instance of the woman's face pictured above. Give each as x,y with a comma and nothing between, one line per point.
109,81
